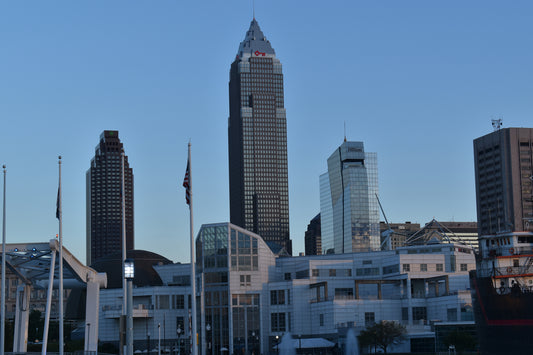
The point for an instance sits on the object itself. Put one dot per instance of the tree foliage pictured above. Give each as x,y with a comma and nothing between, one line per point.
382,334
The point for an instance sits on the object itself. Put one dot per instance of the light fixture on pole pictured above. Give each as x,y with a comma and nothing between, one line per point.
178,332
129,274
159,339
208,338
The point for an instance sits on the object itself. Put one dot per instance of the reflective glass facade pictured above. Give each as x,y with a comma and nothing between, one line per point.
257,139
348,202
228,259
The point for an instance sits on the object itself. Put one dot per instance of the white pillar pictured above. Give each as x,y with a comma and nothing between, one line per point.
22,313
91,316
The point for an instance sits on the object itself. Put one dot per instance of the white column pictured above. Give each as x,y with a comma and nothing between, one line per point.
91,316
22,313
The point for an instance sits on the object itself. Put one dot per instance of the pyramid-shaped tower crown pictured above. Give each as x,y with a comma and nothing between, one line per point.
255,43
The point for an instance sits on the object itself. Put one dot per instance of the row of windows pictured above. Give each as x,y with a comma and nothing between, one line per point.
163,302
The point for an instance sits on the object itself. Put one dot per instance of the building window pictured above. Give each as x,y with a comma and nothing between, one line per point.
423,267
516,263
314,272
452,263
391,269
344,293
405,313
321,319
406,267
287,276
246,280
332,272
464,267
277,297
277,322
162,302
370,318
452,314
419,313
178,301
440,267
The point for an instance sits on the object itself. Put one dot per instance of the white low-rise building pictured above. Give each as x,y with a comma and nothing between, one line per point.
249,298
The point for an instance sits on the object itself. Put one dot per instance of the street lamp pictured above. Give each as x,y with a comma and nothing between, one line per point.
277,344
129,274
159,339
208,338
179,340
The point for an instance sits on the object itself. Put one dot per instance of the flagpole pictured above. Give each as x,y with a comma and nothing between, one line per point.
3,306
61,338
123,207
193,258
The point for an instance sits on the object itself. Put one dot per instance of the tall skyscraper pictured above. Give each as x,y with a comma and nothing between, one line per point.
104,199
257,135
504,176
349,207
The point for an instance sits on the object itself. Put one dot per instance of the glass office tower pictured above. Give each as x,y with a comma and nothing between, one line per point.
348,201
257,140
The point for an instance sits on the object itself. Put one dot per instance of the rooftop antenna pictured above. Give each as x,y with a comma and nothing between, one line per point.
345,131
497,124
253,8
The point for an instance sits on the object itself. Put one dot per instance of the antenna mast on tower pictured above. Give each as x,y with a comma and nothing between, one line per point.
497,124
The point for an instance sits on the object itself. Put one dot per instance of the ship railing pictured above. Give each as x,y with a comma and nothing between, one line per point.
514,270
513,251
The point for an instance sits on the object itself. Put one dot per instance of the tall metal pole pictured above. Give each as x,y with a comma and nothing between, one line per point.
193,261
129,319
61,338
123,202
3,306
158,338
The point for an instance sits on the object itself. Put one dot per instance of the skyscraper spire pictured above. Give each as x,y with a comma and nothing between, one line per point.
257,132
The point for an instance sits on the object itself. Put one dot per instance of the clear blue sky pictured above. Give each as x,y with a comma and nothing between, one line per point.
416,81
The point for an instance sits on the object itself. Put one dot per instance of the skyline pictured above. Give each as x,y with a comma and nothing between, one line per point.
416,82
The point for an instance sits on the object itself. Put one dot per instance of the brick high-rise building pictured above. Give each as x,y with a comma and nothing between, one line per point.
504,177
104,199
257,139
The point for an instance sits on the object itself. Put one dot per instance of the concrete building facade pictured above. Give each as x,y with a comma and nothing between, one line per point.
504,177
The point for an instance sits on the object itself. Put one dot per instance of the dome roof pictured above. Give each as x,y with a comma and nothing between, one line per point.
145,275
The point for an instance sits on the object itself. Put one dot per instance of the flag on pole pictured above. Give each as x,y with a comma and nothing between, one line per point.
58,203
187,185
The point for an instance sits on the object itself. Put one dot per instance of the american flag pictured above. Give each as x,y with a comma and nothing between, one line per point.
186,184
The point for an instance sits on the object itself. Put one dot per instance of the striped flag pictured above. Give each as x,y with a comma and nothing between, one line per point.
187,185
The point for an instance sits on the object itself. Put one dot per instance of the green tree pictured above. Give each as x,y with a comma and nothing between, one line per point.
382,334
